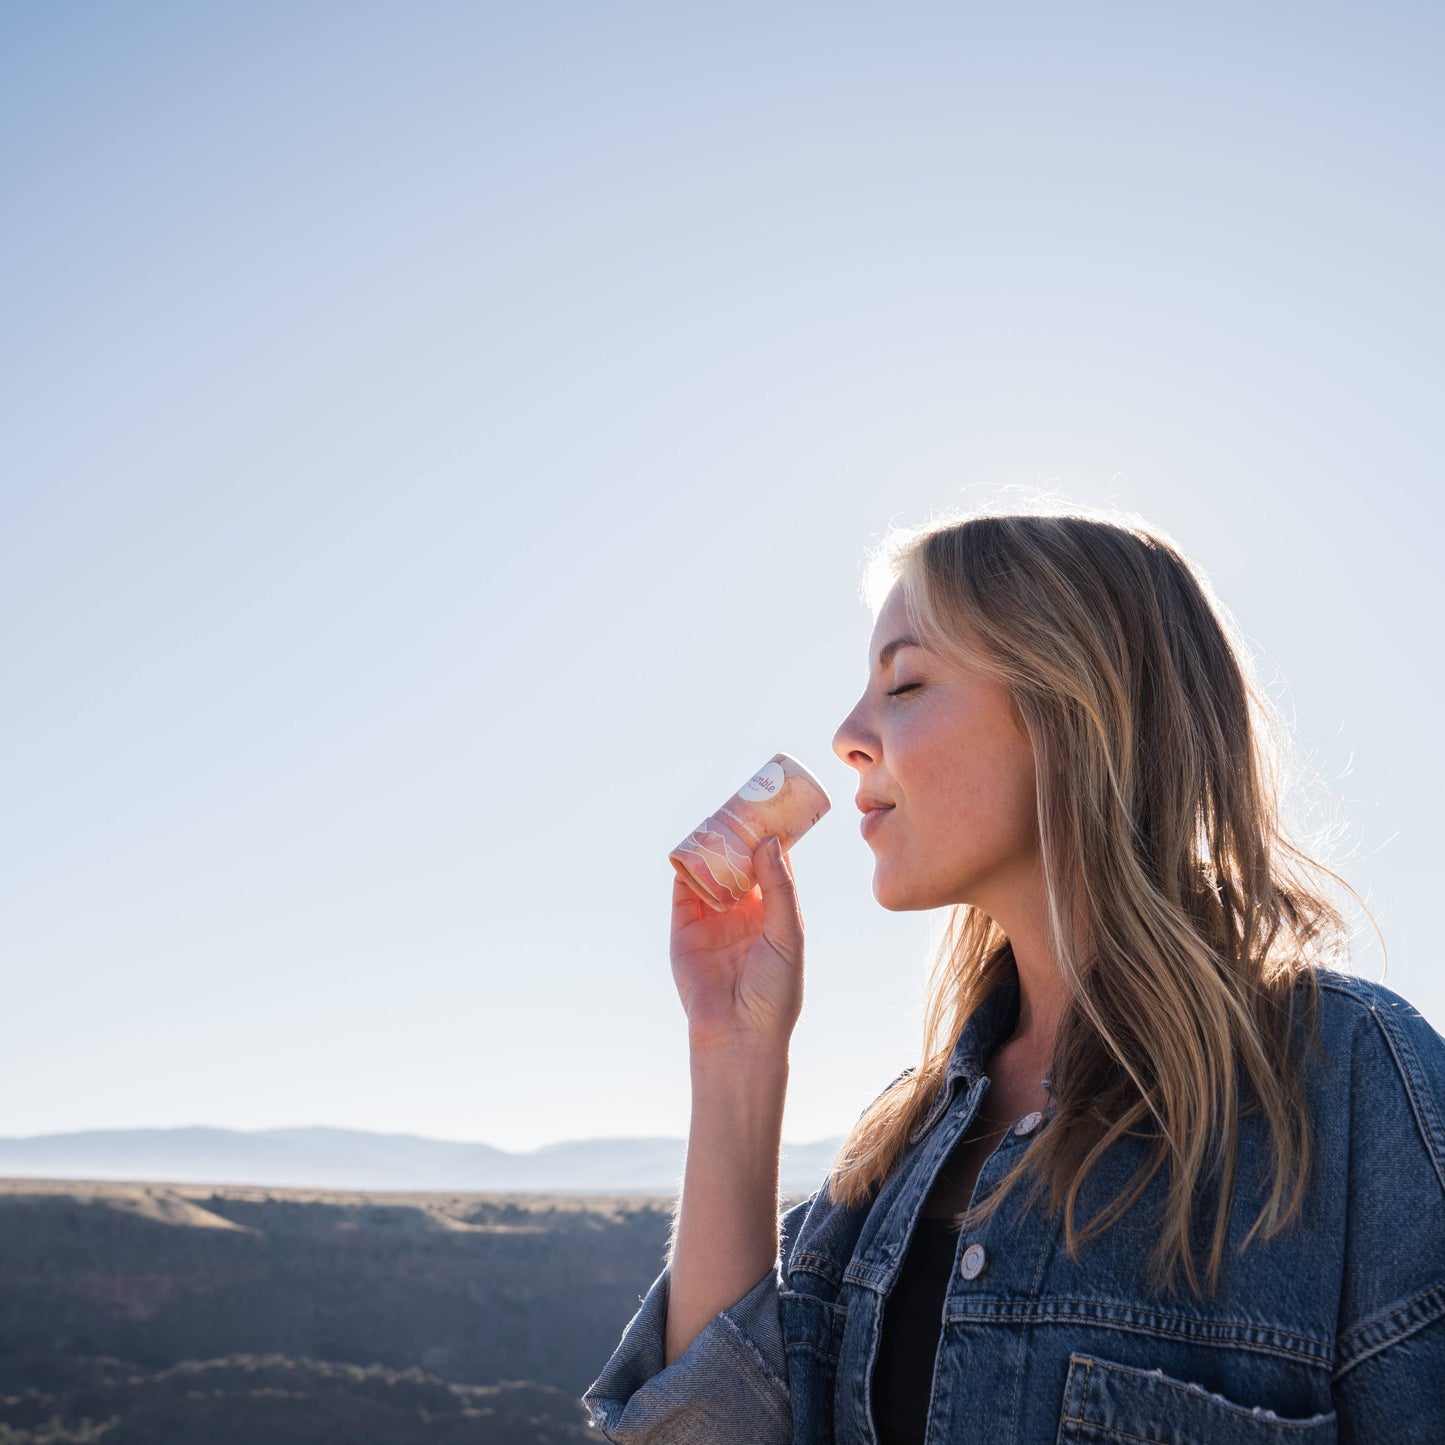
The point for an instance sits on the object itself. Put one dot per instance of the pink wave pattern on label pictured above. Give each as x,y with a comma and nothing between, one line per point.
731,870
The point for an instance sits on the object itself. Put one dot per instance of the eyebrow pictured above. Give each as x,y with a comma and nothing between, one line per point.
889,648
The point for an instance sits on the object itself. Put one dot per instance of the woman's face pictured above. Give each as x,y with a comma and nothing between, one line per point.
941,748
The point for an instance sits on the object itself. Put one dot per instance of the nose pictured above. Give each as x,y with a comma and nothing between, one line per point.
853,743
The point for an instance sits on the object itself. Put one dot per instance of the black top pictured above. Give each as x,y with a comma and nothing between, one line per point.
912,1324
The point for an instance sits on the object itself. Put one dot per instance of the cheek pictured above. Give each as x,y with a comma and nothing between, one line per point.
1022,804
987,790
1013,775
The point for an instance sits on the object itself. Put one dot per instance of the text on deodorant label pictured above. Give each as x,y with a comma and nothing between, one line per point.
764,784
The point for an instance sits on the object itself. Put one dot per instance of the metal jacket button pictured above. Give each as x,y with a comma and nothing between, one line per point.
971,1266
1028,1123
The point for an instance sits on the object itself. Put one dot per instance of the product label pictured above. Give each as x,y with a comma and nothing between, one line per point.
764,784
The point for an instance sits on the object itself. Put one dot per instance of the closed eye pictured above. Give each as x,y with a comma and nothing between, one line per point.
907,687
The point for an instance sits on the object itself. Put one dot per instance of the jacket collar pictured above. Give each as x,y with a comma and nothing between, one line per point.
987,1027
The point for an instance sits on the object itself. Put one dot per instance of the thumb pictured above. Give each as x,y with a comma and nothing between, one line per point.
782,919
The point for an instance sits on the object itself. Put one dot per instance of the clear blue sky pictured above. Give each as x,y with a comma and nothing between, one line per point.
417,419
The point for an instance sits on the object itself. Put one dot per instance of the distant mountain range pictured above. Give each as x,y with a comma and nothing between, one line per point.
326,1158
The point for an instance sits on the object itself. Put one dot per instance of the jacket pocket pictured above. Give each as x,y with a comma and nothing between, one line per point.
1111,1404
813,1340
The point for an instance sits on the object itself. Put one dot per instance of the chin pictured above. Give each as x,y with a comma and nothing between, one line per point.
898,898
900,894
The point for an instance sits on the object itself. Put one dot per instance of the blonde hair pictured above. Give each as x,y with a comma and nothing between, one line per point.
1158,759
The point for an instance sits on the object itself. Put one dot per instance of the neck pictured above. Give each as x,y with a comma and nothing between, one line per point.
1022,912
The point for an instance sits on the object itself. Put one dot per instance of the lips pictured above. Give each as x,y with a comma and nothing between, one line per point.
872,817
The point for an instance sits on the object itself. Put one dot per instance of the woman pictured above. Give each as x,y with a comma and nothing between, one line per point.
1161,1174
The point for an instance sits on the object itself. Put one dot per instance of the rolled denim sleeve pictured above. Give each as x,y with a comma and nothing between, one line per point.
1389,1380
729,1385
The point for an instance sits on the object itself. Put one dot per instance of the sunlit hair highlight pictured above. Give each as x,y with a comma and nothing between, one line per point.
1185,922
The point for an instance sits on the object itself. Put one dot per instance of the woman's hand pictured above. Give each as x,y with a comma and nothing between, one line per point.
739,974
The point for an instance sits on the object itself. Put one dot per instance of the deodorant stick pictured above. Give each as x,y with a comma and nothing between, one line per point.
782,799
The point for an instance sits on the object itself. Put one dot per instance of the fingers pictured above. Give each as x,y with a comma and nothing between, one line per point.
687,907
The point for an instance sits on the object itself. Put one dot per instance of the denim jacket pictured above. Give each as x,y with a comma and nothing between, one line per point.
1333,1330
